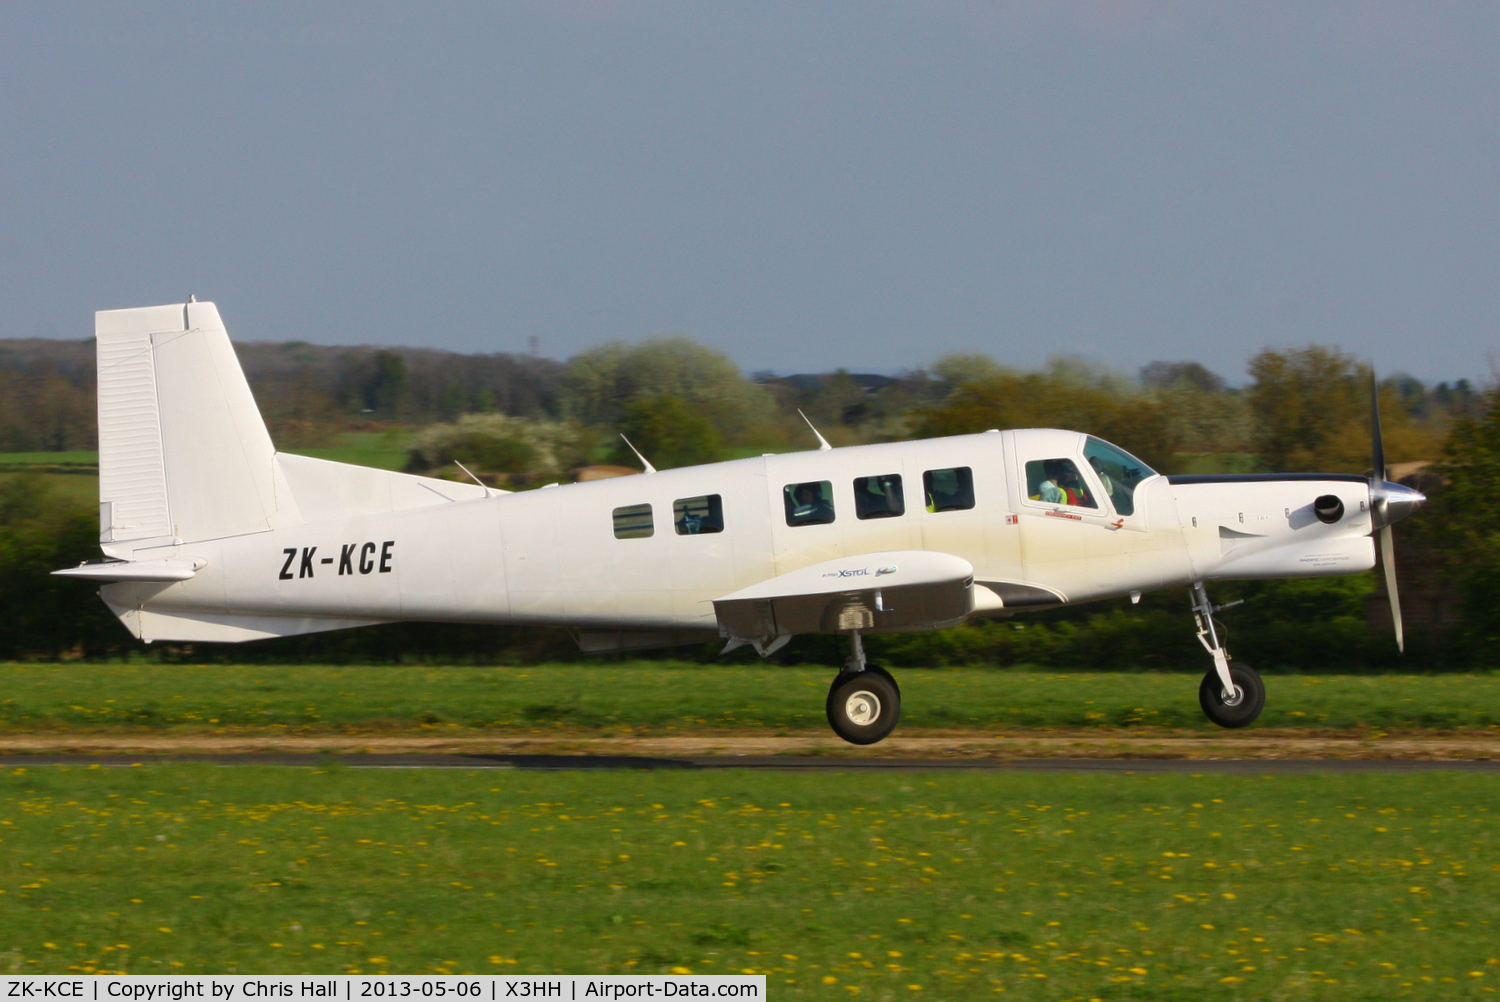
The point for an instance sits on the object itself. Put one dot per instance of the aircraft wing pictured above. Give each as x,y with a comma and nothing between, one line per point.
887,592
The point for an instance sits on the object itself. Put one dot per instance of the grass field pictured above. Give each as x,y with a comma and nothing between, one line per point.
60,460
889,885
75,475
385,450
663,696
82,488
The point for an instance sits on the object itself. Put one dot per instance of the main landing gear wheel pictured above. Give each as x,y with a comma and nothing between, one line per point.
885,675
864,706
1243,706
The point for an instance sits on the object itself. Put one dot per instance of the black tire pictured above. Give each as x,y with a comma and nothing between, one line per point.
1247,683
864,706
887,676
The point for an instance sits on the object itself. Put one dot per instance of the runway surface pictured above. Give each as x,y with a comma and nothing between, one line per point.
784,763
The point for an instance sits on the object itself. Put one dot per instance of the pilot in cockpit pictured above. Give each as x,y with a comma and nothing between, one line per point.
1104,478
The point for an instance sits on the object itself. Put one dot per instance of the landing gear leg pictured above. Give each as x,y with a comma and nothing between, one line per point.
1231,696
864,702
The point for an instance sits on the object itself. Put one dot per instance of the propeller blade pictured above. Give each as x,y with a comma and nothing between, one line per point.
1388,558
1388,503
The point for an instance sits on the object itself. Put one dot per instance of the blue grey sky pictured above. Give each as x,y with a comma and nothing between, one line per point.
803,186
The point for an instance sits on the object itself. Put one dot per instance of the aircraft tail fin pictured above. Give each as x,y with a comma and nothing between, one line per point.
183,452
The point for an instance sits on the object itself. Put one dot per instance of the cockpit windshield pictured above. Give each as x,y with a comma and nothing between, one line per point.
1120,472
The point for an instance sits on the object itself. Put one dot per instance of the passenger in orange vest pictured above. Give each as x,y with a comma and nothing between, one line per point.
1063,486
1072,487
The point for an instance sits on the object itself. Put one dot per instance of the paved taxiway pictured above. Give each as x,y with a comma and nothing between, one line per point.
770,762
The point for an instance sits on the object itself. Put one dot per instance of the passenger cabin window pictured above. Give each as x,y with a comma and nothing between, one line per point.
1057,481
808,504
633,522
949,490
879,497
695,516
1118,471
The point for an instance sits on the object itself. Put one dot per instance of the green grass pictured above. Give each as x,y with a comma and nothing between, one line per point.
664,696
1057,886
71,476
385,450
74,476
87,460
80,487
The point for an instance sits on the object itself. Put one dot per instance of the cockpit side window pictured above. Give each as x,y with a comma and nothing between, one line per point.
1057,481
809,503
1118,471
949,490
879,497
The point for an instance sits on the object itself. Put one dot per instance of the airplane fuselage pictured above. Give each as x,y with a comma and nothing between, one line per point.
623,554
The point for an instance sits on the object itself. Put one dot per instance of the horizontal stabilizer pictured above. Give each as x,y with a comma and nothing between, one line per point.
135,570
887,592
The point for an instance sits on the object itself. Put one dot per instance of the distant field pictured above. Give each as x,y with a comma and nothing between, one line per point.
75,475
676,697
30,460
81,486
385,450
880,886
1216,462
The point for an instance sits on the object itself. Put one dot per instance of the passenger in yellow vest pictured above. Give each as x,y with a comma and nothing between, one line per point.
1062,486
1049,490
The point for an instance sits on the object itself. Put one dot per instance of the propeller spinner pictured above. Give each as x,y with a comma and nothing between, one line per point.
1389,503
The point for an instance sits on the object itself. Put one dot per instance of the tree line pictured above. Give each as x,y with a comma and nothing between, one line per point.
1304,409
307,393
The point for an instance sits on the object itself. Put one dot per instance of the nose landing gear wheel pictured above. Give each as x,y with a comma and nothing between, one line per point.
864,706
1242,706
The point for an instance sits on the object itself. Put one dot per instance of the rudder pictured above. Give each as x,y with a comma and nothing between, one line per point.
183,452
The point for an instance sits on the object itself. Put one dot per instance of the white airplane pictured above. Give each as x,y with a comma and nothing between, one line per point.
210,534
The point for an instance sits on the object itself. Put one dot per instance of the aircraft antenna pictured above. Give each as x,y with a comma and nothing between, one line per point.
644,461
481,483
822,442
